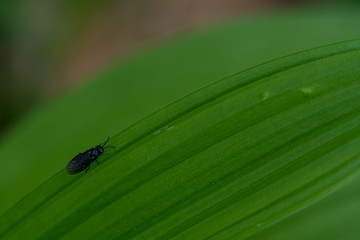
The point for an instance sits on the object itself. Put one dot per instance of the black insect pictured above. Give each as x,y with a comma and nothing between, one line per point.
83,160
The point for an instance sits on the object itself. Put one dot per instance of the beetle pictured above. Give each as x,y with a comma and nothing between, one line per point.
83,160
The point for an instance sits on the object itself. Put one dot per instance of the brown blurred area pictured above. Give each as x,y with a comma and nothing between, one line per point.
46,47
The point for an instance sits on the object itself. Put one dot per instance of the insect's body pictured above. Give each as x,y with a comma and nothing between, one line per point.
83,160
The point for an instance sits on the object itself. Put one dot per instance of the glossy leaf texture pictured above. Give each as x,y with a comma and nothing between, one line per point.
220,163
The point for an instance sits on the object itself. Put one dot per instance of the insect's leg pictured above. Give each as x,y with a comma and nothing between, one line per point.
97,162
87,168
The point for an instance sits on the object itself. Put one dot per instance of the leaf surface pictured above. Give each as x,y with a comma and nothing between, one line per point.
220,163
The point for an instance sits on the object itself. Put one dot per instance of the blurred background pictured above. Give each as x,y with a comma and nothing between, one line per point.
48,46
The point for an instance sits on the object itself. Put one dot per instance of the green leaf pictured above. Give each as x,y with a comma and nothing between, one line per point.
220,163
41,143
334,217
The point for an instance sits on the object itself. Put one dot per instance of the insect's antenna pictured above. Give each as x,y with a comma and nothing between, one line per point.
106,141
109,147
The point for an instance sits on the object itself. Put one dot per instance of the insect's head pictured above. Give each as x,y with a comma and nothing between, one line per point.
100,149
